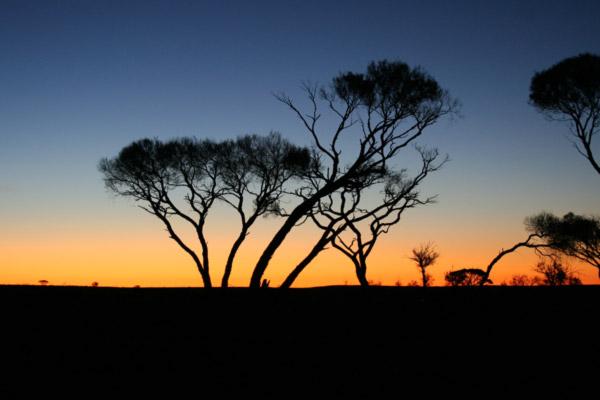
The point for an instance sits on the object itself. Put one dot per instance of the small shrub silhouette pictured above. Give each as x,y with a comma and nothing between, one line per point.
467,277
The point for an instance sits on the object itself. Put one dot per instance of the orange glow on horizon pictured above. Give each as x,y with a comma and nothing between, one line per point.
150,259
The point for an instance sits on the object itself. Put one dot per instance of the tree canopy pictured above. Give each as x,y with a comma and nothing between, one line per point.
181,179
570,91
387,108
574,235
383,111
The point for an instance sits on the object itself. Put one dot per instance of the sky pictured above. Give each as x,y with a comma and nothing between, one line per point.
79,80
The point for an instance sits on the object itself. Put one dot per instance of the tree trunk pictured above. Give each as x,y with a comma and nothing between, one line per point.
362,278
296,215
205,277
287,283
527,243
203,270
361,274
234,249
424,276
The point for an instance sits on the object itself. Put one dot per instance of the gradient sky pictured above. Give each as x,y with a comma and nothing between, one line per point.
81,79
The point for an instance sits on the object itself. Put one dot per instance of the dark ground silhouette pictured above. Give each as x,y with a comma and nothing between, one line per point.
337,341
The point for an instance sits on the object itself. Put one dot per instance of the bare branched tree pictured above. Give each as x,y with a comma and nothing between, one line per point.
533,241
424,256
389,107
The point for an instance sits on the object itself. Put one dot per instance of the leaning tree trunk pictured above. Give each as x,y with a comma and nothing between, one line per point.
296,215
318,247
526,243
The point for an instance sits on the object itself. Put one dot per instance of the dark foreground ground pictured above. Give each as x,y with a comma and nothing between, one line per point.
337,342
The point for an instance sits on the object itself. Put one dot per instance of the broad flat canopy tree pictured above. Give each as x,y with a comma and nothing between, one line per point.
570,91
181,180
150,172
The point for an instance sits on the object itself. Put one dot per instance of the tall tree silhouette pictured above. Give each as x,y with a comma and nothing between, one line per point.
424,256
151,172
353,224
389,107
570,91
181,180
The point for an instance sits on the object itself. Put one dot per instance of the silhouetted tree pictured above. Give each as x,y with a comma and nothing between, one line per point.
555,273
250,170
43,282
152,172
255,170
353,226
533,241
524,280
467,277
424,256
573,235
570,91
390,105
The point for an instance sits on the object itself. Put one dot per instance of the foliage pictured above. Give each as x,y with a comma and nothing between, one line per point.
181,180
387,109
555,273
524,280
570,91
425,256
467,277
572,235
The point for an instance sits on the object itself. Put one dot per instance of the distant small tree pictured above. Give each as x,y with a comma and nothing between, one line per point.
570,91
467,277
524,280
424,256
555,273
94,284
43,282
